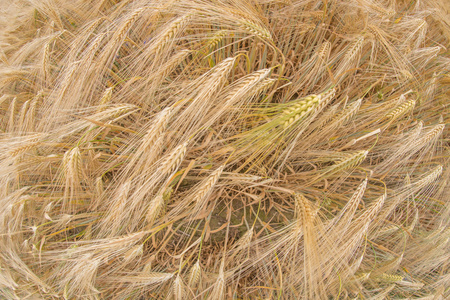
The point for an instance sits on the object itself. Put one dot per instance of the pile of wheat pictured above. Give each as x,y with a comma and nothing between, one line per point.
224,149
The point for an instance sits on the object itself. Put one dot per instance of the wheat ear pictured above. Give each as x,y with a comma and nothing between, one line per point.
256,29
123,30
401,110
345,164
173,160
171,32
155,208
195,274
429,177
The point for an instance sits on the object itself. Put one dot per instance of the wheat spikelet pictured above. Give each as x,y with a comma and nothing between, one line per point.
351,55
94,46
111,222
373,210
204,190
347,113
145,279
303,209
79,278
311,104
94,24
31,112
299,110
246,238
265,84
157,128
415,132
243,243
254,83
353,236
324,51
174,61
362,277
21,149
98,189
12,115
325,98
354,48
344,217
